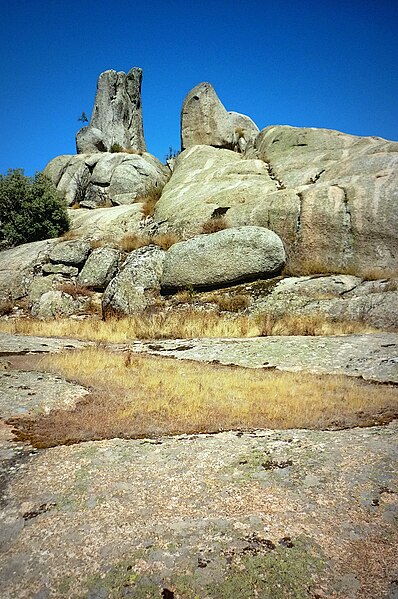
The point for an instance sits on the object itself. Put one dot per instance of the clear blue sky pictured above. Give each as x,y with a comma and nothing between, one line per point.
318,63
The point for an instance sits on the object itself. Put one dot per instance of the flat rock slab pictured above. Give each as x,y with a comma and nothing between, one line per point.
35,392
372,357
20,344
268,514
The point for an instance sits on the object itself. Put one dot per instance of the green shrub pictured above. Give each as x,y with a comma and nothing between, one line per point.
116,147
30,209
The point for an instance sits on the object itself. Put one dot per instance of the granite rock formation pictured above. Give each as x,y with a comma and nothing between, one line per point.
117,114
204,120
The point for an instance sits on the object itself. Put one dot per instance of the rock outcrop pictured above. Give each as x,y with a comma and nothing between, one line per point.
18,267
223,258
335,298
207,180
95,180
330,196
117,114
204,120
348,191
106,223
70,253
100,267
57,304
137,285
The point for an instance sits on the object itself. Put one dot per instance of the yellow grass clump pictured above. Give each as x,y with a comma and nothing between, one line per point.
217,223
181,324
163,325
149,201
135,395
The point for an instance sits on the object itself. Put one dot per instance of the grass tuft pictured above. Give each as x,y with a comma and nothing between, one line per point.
133,241
215,224
228,303
74,289
149,201
166,240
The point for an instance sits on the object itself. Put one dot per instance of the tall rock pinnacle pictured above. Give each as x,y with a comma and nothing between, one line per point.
117,114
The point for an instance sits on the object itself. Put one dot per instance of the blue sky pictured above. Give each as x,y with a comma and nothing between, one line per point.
319,63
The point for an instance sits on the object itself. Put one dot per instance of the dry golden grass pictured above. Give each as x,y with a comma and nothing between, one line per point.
166,240
185,324
149,201
309,325
133,241
132,151
74,289
135,396
373,274
182,324
99,243
228,303
215,224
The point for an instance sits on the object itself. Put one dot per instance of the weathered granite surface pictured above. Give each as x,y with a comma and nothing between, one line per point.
268,514
372,356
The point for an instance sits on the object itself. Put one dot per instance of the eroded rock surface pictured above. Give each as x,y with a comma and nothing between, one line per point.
348,190
204,120
105,179
271,513
223,257
117,114
372,357
292,513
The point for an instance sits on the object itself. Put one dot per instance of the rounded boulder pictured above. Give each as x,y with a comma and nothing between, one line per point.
222,258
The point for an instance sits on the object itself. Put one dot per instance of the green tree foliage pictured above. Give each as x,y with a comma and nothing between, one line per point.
83,118
30,209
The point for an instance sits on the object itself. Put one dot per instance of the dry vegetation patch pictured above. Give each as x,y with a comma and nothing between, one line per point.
74,289
214,224
149,200
134,396
182,324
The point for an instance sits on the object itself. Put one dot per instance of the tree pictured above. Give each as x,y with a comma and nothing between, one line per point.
30,209
83,118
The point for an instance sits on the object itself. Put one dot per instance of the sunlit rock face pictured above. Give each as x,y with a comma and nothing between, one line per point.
117,114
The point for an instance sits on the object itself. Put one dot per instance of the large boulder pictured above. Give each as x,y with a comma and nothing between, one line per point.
100,267
204,120
137,286
348,190
207,181
335,297
70,253
109,224
97,180
19,265
117,114
57,304
223,258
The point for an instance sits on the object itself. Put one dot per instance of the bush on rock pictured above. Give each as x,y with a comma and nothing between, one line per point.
30,209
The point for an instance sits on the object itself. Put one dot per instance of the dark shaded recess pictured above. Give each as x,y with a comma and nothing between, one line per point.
165,291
